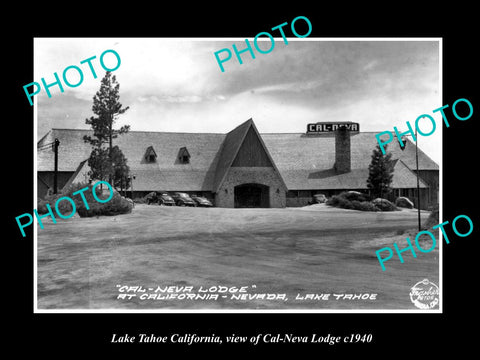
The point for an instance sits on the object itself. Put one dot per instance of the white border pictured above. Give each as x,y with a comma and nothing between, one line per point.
253,311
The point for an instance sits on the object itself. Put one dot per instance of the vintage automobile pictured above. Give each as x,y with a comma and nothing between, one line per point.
182,199
201,201
151,198
165,199
318,199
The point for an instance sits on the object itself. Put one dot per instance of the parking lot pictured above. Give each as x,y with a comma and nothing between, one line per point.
316,249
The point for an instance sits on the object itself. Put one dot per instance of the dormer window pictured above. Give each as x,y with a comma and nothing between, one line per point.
150,155
183,156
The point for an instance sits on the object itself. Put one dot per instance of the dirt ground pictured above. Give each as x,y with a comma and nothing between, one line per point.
86,263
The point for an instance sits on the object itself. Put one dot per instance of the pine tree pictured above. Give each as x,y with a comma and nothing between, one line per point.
120,169
99,164
380,173
107,107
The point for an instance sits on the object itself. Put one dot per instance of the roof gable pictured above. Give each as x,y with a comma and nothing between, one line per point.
252,153
150,154
228,152
231,147
183,156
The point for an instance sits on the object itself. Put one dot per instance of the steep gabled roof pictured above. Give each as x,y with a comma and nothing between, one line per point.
229,150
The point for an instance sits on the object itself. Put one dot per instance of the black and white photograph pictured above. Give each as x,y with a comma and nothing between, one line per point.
253,186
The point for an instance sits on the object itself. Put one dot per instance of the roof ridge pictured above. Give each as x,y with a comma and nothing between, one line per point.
212,133
149,131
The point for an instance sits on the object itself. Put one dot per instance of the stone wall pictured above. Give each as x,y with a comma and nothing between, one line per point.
245,175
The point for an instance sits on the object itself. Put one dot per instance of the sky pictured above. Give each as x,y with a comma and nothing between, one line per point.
175,84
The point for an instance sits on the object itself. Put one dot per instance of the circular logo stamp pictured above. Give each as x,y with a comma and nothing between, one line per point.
424,294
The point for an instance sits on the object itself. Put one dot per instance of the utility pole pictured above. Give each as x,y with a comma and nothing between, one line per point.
132,177
55,170
418,181
418,178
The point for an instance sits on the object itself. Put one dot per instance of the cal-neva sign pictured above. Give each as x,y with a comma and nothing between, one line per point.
326,127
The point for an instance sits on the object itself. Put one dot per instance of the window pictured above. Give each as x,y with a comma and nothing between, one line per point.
150,155
184,156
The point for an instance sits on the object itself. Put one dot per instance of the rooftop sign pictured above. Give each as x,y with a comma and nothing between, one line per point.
327,127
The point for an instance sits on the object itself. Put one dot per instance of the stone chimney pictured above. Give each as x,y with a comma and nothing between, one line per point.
342,150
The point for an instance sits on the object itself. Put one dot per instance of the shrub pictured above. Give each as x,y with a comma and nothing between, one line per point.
115,206
339,201
345,203
353,201
384,204
364,206
333,201
65,207
404,202
355,195
42,206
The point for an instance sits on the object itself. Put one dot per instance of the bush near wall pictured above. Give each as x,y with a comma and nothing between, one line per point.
364,206
358,201
115,206
355,195
384,204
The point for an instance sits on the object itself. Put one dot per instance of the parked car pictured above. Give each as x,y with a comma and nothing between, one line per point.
165,199
318,199
151,198
182,199
201,201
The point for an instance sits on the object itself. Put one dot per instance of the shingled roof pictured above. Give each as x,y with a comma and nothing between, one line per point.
229,150
304,162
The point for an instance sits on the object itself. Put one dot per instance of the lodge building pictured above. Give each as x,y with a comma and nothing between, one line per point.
244,168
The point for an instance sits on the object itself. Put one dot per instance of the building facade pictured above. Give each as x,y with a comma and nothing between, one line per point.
244,168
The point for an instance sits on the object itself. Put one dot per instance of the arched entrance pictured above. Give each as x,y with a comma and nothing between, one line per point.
251,196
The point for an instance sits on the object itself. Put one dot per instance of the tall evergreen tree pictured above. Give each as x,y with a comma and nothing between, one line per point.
99,164
120,169
380,173
107,107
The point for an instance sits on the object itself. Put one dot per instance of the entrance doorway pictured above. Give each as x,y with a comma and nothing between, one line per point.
251,196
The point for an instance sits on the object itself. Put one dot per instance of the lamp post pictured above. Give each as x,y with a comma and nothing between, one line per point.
418,178
132,176
55,145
